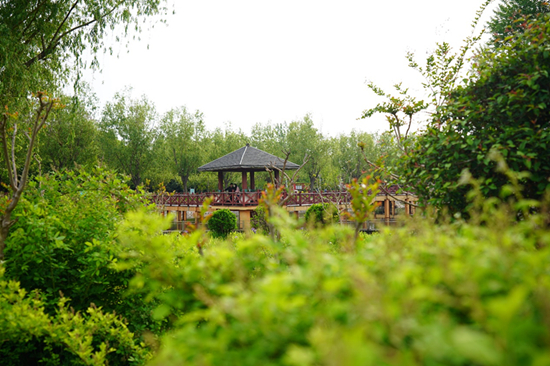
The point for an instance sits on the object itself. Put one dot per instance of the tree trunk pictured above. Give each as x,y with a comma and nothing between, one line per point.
6,222
184,180
4,231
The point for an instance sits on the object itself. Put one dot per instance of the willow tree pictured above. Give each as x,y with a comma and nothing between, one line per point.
182,136
41,44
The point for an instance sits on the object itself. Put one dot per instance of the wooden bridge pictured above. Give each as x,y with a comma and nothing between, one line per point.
391,203
248,160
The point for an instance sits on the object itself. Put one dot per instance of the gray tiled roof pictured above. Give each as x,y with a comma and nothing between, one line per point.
246,158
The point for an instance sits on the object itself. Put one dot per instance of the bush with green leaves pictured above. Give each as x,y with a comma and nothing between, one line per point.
503,106
222,223
64,242
30,336
258,220
322,214
460,293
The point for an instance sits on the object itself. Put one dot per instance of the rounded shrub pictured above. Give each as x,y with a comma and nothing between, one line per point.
322,214
222,223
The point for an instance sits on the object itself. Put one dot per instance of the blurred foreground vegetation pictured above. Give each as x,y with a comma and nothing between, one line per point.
87,290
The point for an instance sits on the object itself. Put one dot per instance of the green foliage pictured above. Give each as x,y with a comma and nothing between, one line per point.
69,137
362,203
126,135
322,214
28,335
399,112
42,41
64,241
453,294
504,107
303,139
258,220
181,143
222,223
509,19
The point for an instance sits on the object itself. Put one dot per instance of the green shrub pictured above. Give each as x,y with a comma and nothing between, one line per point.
222,223
258,220
30,336
322,214
454,294
64,242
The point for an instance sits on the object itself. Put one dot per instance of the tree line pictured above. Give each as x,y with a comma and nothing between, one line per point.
153,148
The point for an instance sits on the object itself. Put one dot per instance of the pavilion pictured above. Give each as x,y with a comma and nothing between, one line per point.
247,160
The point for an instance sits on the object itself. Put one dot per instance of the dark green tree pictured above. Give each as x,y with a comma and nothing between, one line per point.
504,106
510,16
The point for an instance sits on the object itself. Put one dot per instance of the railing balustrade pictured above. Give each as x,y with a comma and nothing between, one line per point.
246,198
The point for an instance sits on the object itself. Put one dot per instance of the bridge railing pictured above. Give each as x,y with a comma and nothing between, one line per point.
247,198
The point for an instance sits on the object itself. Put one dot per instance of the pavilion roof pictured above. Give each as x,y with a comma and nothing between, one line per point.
247,158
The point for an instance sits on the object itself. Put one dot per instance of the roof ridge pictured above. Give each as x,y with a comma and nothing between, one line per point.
244,152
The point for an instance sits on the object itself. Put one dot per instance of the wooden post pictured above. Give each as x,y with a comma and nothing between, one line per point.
252,183
245,219
220,181
245,183
407,206
387,209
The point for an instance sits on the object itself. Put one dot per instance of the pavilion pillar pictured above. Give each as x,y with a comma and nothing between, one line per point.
245,183
252,184
220,181
407,206
277,183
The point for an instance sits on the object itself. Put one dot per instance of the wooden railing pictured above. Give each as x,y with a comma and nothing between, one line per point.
247,198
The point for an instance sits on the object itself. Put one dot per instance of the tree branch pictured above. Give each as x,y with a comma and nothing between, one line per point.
5,152
14,167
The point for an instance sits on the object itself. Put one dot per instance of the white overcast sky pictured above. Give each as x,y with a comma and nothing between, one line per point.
249,61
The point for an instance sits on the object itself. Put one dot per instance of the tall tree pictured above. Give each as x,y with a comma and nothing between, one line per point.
303,139
182,137
37,39
127,133
70,136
